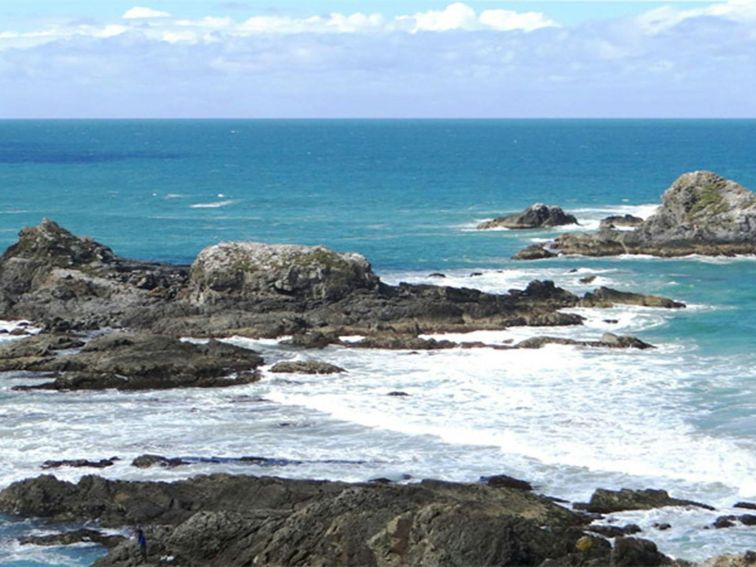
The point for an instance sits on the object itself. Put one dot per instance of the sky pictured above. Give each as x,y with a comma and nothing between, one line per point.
376,59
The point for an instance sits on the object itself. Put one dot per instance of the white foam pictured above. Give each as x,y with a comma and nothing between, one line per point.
214,205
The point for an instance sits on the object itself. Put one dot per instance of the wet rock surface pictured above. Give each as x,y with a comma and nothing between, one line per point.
73,537
535,216
701,213
240,520
605,501
306,367
127,361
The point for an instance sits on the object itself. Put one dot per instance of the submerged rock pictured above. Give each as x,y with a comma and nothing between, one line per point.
606,297
605,501
84,535
242,520
608,340
306,367
701,213
535,216
80,463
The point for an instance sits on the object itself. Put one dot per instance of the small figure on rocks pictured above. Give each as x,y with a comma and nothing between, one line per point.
142,543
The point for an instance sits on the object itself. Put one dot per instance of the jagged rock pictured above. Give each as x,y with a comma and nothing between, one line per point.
605,501
745,505
248,271
701,213
535,216
242,520
606,297
614,221
142,361
38,352
306,367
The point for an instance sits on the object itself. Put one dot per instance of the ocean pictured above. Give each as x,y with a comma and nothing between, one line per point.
407,194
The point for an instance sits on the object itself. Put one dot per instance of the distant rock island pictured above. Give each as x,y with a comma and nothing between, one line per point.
701,213
535,216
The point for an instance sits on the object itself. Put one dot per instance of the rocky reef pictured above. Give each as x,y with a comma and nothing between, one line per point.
701,213
243,520
535,216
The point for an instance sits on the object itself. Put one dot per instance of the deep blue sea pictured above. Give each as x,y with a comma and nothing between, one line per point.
408,194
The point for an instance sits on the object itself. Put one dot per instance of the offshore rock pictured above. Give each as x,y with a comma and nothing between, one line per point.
615,221
242,520
606,297
701,213
608,340
535,216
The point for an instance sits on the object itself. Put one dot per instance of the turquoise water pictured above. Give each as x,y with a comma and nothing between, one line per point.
408,194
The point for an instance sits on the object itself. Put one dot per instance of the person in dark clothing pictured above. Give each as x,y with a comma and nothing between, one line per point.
142,542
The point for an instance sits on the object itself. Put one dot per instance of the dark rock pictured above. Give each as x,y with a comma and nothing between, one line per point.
306,367
606,297
398,394
662,526
502,480
146,461
608,340
587,279
314,339
615,531
535,216
36,353
611,321
73,537
614,221
534,252
746,505
636,552
436,275
242,520
747,519
140,361
475,274
605,501
395,341
724,522
80,463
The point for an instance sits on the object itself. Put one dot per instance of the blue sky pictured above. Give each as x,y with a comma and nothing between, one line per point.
348,58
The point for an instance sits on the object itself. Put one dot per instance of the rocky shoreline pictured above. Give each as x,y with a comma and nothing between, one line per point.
111,323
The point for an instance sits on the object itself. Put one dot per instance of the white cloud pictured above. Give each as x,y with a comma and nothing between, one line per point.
141,13
507,20
453,17
666,17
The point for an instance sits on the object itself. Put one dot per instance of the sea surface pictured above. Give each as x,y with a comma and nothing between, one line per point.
408,194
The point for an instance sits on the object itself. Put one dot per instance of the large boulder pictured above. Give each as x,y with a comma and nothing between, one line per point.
701,213
535,216
250,271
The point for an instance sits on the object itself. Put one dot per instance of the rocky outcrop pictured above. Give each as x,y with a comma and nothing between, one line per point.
72,537
605,501
306,367
140,361
233,272
701,213
606,297
80,463
535,216
241,520
608,340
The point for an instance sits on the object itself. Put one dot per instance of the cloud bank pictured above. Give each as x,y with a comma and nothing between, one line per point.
457,61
